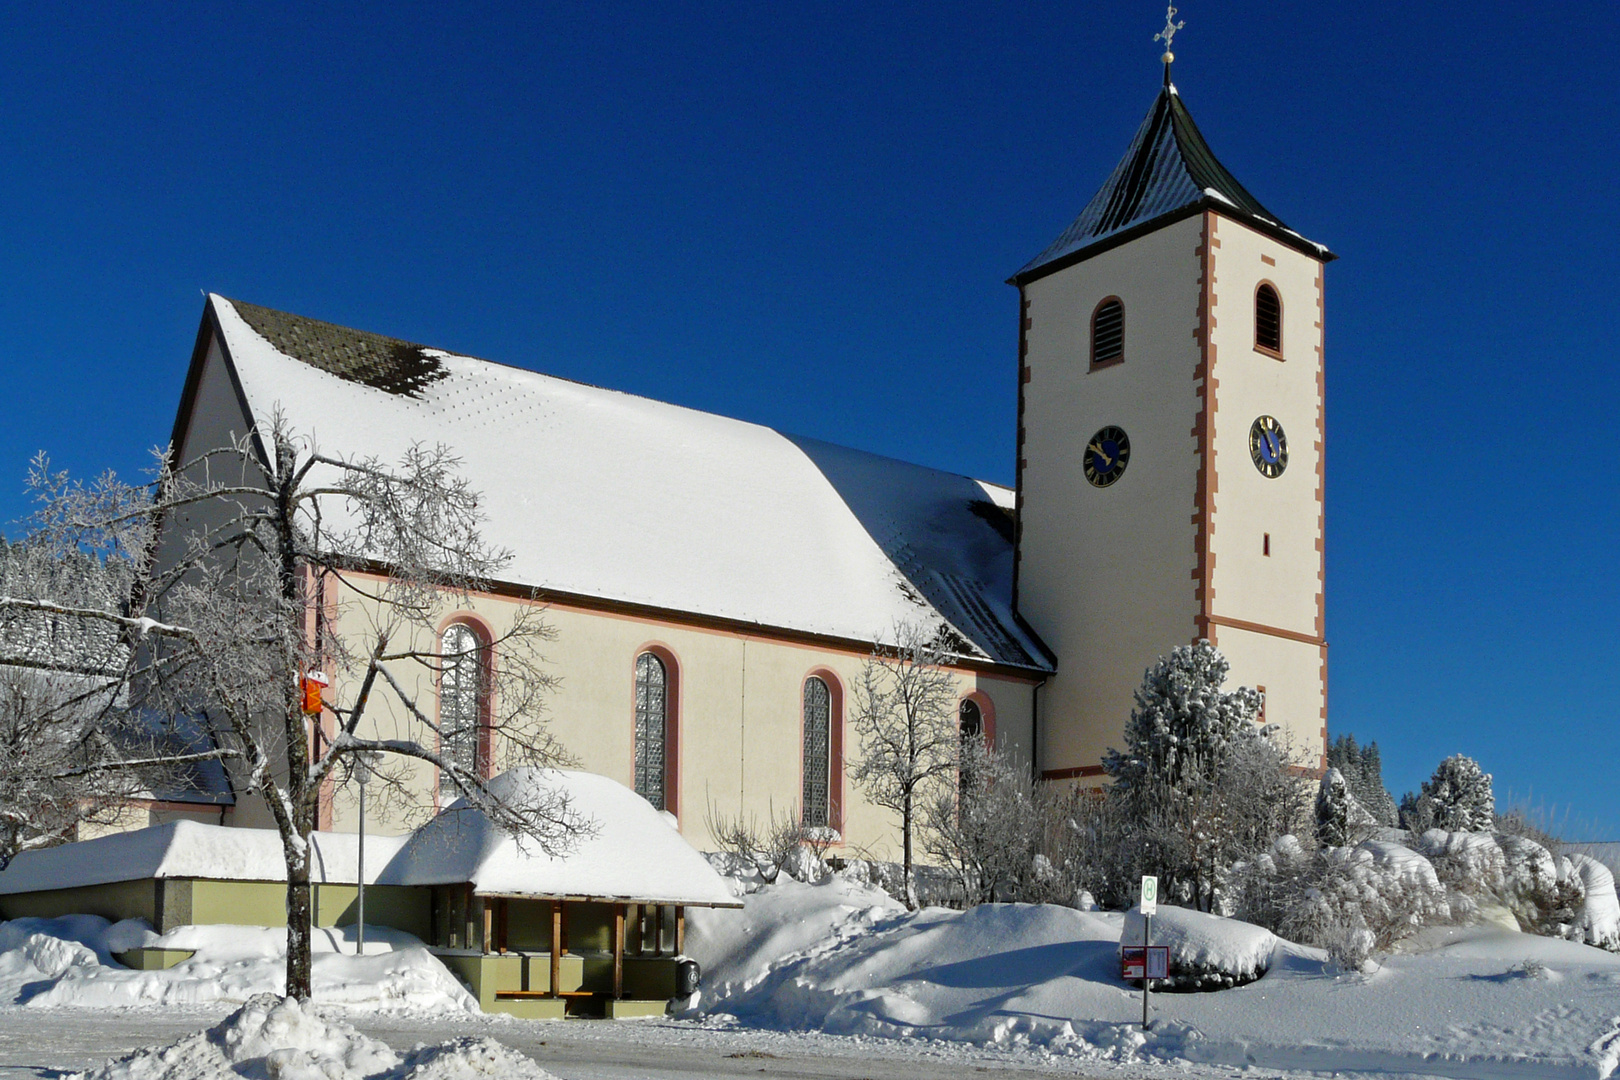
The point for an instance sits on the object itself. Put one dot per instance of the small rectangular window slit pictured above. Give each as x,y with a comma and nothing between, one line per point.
1265,545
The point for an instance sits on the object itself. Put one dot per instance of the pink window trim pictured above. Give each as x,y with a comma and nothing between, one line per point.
987,714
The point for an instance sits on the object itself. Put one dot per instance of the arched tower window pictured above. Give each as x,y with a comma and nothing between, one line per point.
652,729
463,704
817,794
1108,333
1268,319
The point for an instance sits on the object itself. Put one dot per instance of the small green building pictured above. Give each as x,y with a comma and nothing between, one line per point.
595,929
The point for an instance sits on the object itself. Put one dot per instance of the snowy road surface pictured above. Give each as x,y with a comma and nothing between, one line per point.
46,1043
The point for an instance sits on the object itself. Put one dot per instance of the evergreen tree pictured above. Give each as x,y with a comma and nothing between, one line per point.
1458,797
1341,820
1363,773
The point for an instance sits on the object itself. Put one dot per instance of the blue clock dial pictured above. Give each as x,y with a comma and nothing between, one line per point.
1268,446
1106,456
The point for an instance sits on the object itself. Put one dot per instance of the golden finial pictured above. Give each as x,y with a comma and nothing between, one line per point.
1169,32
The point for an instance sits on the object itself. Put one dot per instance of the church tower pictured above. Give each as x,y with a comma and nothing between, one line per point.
1170,446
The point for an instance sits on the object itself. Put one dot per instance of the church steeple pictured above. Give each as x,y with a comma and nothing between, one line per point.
1168,173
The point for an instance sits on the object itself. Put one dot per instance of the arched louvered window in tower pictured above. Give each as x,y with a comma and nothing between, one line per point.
1108,333
652,728
463,703
1268,319
817,801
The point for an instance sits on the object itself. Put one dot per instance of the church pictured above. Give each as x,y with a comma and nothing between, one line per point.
716,586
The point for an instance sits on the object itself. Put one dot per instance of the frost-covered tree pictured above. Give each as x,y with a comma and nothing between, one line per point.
1363,771
904,710
986,830
71,751
261,561
1457,798
1201,784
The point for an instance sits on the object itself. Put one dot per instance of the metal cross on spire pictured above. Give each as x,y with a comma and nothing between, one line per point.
1166,35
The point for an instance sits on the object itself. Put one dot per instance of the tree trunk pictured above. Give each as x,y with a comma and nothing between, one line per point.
908,886
299,913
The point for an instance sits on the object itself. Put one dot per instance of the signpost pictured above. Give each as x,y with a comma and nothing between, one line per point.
1149,904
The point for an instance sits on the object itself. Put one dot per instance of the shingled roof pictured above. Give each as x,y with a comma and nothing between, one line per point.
1168,173
605,495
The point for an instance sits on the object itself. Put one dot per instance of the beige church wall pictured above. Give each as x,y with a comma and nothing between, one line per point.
1106,573
738,712
1294,691
1281,591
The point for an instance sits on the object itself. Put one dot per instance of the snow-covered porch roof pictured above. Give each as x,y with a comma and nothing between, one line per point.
633,854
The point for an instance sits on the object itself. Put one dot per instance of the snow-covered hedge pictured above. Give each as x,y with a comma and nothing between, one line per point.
1207,952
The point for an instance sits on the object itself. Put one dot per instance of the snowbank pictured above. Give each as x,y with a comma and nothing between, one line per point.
279,1039
69,962
1476,1001
1207,952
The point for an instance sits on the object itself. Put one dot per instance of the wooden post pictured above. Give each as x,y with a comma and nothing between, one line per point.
556,945
489,926
680,931
618,952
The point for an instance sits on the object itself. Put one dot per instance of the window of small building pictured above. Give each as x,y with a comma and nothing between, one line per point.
652,728
1268,320
1108,333
463,704
816,796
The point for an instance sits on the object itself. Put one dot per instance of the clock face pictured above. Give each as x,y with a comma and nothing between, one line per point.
1106,456
1268,446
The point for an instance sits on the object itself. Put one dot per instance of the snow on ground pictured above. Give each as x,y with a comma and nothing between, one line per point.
838,958
279,1039
68,961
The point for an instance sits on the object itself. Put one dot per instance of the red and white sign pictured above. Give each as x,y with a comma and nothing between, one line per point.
1144,962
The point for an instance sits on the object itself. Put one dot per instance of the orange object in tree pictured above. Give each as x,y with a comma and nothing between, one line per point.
311,686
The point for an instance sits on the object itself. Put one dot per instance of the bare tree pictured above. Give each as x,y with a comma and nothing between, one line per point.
904,710
265,560
986,829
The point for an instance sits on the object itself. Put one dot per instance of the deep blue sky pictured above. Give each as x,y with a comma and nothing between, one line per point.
802,215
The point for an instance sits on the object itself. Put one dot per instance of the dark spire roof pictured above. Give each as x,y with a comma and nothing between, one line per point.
1168,173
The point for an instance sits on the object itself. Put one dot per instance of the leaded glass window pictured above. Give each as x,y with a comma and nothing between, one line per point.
817,752
462,695
652,723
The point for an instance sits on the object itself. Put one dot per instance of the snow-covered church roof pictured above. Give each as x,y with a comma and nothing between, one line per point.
608,496
1168,172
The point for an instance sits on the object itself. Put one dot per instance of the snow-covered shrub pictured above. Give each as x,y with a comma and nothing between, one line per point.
1351,901
1457,798
1542,899
1470,864
984,829
782,843
1207,952
1599,919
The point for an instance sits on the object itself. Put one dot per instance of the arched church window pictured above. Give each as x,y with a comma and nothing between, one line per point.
463,703
1108,333
652,728
970,726
817,753
1268,319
